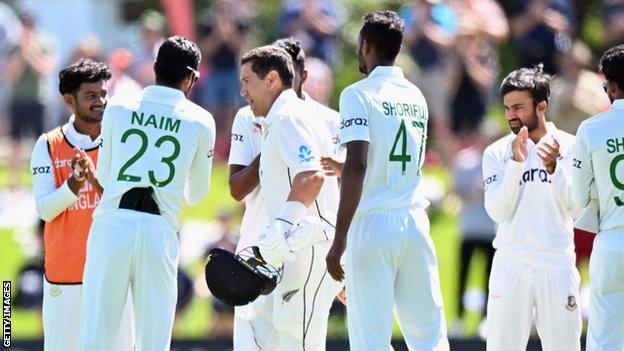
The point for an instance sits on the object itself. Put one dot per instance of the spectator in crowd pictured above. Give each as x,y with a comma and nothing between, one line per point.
472,77
315,24
89,47
28,67
121,83
430,28
576,92
612,19
541,28
10,32
153,30
223,33
319,83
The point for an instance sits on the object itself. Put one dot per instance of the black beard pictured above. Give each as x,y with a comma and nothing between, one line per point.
530,127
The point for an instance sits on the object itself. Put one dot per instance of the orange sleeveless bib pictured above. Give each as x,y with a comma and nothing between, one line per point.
65,236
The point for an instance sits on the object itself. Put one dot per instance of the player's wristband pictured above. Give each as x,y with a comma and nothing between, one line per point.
292,212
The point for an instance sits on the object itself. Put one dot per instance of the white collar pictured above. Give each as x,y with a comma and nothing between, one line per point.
80,140
618,104
283,97
387,70
161,92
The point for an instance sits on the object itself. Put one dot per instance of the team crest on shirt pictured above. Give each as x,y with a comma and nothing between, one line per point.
305,154
571,305
55,290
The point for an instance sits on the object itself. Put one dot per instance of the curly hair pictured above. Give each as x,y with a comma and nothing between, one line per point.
82,71
612,65
384,31
534,80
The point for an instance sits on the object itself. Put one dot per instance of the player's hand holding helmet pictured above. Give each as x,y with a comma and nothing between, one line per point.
272,243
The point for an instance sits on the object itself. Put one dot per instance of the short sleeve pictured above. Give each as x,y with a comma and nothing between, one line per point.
354,113
297,146
241,148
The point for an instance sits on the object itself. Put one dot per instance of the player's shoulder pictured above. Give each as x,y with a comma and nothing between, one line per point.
565,137
127,101
326,112
595,121
360,87
194,113
500,146
245,122
244,114
42,142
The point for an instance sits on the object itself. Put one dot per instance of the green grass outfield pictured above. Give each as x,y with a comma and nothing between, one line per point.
195,321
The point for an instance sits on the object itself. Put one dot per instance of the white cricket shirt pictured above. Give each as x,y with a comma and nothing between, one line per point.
534,210
156,139
51,201
294,138
332,120
244,148
599,157
390,113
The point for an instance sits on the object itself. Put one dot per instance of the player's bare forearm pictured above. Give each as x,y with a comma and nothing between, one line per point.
244,179
353,173
306,186
74,184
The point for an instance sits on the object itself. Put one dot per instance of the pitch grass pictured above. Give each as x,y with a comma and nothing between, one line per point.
195,321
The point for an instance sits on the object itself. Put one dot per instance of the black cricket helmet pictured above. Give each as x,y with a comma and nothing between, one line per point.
238,279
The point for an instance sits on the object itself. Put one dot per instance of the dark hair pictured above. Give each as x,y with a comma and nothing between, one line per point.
293,47
384,31
81,71
268,58
612,65
534,80
177,58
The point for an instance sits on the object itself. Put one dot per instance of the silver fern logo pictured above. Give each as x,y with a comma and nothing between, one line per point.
287,296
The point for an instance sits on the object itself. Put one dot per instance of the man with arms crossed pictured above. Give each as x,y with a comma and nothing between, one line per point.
598,159
66,200
528,193
295,191
390,258
244,180
156,149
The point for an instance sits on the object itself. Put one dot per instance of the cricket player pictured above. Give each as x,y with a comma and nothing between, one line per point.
65,200
294,189
598,158
528,193
244,180
390,259
156,148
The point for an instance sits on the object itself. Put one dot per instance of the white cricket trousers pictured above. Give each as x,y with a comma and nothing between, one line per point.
61,318
294,316
605,331
128,248
391,263
517,288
